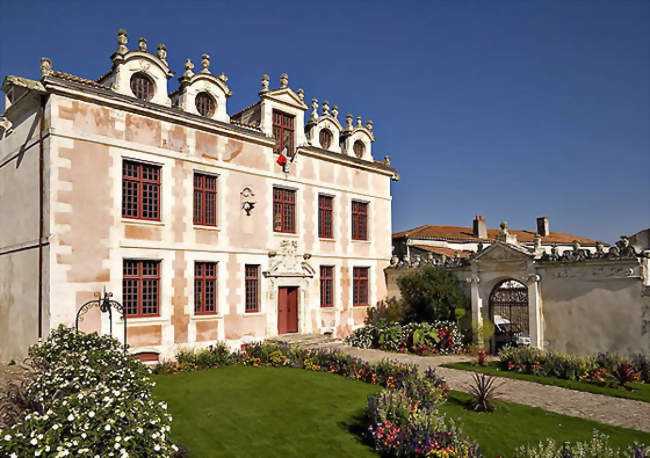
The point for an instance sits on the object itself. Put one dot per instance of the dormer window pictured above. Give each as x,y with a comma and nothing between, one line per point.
359,148
325,138
142,86
283,131
205,104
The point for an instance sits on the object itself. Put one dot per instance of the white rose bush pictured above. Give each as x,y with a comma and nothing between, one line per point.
89,399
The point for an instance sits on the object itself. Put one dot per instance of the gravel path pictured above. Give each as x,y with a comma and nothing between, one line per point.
626,413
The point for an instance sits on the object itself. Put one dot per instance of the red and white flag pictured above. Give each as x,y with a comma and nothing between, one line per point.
282,158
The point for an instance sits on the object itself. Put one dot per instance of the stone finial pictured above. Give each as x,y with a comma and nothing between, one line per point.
46,66
576,245
121,42
314,110
504,226
600,247
284,80
335,111
301,94
142,44
348,121
369,125
265,82
359,121
162,52
387,160
537,242
223,77
326,107
189,66
205,63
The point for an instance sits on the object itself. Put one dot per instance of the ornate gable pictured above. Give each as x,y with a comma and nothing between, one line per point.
325,122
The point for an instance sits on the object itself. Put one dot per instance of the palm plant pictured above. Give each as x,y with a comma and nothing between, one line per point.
484,392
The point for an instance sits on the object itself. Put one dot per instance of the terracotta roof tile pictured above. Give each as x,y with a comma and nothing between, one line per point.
441,250
465,234
76,79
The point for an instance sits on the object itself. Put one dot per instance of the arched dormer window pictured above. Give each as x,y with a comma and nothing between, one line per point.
325,138
359,148
205,104
142,86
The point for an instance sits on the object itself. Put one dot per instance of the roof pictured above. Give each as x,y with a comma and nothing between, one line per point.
466,234
441,250
77,79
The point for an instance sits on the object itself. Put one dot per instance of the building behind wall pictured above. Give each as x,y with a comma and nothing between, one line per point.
205,226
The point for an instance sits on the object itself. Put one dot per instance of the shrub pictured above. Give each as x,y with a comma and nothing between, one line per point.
440,337
624,374
642,365
391,311
484,392
598,446
432,294
90,399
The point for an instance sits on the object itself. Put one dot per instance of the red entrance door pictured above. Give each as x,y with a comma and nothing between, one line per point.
287,309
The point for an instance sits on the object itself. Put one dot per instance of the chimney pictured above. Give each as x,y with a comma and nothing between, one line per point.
480,229
542,226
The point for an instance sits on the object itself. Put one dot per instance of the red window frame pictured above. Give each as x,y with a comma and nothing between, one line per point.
360,289
284,210
326,286
325,209
140,190
205,199
205,288
141,287
283,132
252,287
359,220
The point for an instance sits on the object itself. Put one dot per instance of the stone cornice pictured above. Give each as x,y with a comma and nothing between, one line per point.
314,151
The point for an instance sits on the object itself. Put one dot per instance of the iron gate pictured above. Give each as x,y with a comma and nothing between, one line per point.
509,313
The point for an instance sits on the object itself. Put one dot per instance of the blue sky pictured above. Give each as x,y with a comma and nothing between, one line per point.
511,110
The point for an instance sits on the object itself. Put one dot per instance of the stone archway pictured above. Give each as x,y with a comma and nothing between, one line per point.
508,308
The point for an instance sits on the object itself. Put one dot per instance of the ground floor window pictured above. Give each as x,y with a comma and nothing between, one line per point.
360,286
141,287
326,286
205,287
252,286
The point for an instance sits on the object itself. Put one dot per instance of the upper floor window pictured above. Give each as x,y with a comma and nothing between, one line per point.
284,210
360,286
359,220
205,199
142,86
141,287
326,286
325,138
325,205
205,104
205,287
283,131
140,190
252,287
359,148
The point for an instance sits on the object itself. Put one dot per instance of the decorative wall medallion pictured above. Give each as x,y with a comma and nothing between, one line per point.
247,198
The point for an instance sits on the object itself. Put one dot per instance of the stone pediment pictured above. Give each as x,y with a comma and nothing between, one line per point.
285,95
500,251
288,262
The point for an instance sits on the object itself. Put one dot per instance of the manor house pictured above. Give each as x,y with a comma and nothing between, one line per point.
206,226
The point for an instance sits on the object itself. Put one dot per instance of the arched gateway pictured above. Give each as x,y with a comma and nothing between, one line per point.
509,313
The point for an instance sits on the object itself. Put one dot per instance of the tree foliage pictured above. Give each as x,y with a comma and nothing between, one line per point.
432,294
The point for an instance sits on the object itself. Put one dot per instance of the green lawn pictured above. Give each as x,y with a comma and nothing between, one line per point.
247,411
266,412
641,391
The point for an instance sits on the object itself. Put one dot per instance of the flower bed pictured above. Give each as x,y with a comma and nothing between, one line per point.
604,369
88,398
437,338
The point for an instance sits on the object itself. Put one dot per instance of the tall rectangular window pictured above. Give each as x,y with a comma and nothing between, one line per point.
283,131
360,286
141,287
140,190
284,210
205,199
326,286
325,205
359,220
252,287
205,288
